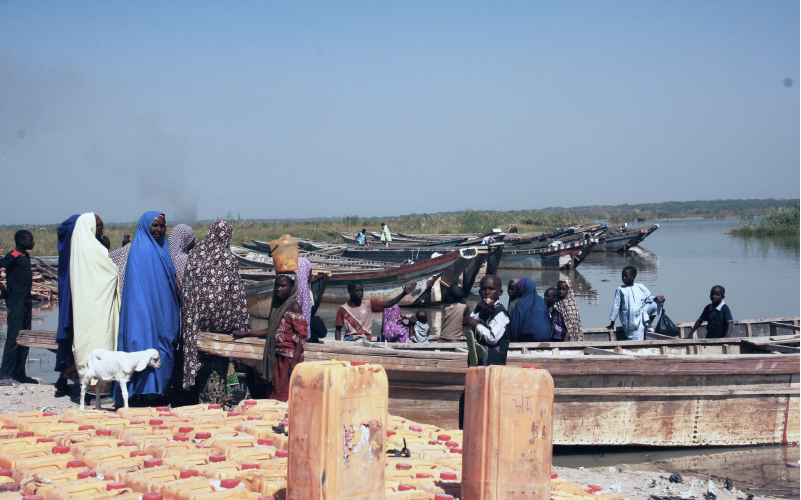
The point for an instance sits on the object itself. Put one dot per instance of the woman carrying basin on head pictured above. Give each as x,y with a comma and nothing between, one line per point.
150,314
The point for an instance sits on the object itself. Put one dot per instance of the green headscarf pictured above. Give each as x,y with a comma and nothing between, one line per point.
276,315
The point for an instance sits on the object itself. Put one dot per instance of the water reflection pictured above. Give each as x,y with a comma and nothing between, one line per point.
762,246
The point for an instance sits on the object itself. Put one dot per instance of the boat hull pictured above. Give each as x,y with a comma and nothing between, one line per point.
622,242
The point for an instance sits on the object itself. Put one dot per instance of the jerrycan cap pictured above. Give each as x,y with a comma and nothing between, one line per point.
152,496
124,443
433,441
423,475
103,432
59,450
65,421
32,497
452,444
391,433
166,414
114,486
441,496
250,466
162,408
203,446
6,473
448,476
49,414
406,487
415,428
44,440
76,464
359,363
215,407
402,466
86,428
444,437
138,453
229,483
254,417
24,434
234,414
265,442
10,486
153,462
87,473
534,367
155,421
554,475
250,402
185,430
180,437
456,450
281,453
137,422
10,427
217,457
202,435
594,488
188,473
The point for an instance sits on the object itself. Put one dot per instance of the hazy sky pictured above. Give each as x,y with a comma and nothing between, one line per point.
290,109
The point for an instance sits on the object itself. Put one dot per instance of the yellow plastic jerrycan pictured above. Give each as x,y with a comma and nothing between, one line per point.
508,432
346,404
284,252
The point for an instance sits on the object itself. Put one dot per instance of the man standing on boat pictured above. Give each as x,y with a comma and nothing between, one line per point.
386,237
356,315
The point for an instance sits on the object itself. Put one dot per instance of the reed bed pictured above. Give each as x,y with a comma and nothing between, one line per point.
782,221
468,221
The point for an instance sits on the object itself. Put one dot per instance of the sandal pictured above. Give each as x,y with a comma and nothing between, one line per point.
7,382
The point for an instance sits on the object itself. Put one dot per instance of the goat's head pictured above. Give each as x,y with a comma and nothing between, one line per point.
150,357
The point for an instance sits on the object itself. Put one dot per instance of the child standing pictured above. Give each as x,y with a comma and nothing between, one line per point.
491,322
717,315
634,303
452,329
558,330
19,303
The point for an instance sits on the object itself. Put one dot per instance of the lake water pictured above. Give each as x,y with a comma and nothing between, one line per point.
682,261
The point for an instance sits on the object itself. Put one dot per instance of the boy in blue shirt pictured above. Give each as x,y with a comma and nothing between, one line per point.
717,315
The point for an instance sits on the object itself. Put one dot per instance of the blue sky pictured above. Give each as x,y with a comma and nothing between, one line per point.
279,109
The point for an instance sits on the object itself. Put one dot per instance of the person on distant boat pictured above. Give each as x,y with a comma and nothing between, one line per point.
566,305
717,315
361,238
453,316
286,334
150,316
180,242
635,306
386,236
530,320
356,315
213,300
558,330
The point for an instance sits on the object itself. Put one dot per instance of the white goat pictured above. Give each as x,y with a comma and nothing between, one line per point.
116,366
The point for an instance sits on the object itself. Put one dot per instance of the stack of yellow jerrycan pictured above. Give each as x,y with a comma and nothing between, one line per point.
334,440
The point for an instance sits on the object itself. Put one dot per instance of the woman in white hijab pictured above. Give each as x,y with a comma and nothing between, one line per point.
95,296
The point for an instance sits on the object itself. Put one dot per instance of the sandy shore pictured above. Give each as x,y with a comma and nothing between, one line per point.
632,485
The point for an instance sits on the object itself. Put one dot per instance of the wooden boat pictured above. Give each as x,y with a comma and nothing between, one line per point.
656,392
557,255
433,277
396,240
621,239
255,259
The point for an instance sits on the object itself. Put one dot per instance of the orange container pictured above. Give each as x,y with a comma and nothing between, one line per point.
76,489
265,482
508,431
39,465
40,486
9,460
284,252
80,448
150,481
119,470
347,407
221,470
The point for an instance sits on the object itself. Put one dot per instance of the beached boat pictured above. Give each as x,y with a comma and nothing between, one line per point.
557,255
260,260
432,276
656,392
621,238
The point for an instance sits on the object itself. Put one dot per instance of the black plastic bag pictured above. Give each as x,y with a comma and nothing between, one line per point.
666,326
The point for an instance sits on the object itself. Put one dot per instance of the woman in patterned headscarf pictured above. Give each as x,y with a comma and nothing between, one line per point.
182,239
213,301
566,304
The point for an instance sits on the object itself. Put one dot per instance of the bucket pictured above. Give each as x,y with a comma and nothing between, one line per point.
284,251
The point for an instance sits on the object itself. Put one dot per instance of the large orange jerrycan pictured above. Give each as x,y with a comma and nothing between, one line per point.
284,252
508,432
336,431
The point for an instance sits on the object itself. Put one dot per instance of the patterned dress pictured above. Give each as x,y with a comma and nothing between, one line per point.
213,296
292,332
180,239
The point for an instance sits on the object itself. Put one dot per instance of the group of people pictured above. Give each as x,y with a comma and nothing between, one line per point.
157,292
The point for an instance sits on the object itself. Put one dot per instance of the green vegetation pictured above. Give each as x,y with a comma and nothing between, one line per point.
782,221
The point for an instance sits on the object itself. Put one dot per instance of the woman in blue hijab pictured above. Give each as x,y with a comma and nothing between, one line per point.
64,332
530,320
150,314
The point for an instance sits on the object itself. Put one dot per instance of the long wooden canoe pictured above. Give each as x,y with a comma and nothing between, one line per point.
657,392
621,239
556,256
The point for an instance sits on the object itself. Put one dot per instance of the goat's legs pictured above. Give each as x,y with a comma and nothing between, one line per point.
97,395
83,392
124,391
